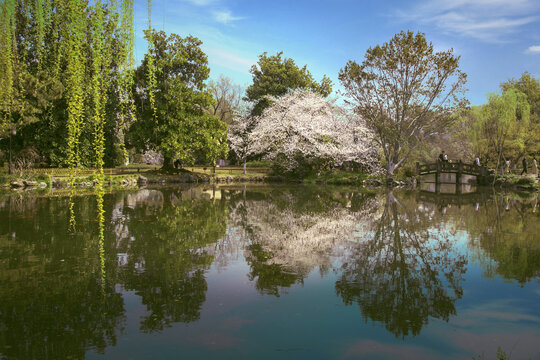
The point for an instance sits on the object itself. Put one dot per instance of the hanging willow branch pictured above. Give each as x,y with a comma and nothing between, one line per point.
7,36
40,31
75,35
101,61
127,64
151,74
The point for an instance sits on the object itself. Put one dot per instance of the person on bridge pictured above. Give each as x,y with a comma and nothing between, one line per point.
441,156
477,161
507,166
524,162
534,169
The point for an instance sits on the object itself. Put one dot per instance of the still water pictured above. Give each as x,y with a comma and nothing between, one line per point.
269,272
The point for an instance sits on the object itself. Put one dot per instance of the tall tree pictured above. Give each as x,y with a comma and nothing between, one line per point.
179,127
529,86
227,96
503,122
301,132
51,87
406,92
274,75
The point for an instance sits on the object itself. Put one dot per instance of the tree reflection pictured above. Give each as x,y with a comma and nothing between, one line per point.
401,274
506,231
167,256
292,231
52,302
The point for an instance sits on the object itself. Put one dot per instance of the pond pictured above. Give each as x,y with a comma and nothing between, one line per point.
270,272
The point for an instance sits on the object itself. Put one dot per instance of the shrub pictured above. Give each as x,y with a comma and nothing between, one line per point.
528,181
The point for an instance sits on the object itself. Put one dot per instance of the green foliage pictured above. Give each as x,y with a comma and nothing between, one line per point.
529,86
502,123
259,163
273,76
181,130
406,92
7,26
47,91
337,177
528,181
151,67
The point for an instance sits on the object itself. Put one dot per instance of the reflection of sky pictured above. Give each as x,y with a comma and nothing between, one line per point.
308,320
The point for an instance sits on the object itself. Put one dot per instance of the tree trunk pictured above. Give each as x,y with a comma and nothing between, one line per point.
390,167
244,166
167,163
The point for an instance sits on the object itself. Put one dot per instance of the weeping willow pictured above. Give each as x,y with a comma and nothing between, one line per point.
151,74
100,61
127,69
86,48
40,31
7,35
75,35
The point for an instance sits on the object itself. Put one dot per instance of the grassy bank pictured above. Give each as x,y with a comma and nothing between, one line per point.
337,177
517,182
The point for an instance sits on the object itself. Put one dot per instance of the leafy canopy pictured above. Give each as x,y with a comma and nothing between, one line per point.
503,122
274,75
182,128
405,91
529,86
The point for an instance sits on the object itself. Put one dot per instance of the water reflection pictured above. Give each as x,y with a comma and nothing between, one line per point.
291,233
167,253
400,274
505,235
394,256
51,299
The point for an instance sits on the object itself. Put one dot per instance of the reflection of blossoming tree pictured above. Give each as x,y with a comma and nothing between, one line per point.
292,233
401,275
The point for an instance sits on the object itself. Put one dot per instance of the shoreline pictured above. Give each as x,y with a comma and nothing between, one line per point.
138,180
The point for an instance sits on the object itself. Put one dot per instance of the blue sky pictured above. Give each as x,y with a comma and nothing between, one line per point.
496,39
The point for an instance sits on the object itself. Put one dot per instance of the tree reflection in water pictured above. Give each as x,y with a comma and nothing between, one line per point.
395,257
291,232
168,254
52,302
401,274
505,234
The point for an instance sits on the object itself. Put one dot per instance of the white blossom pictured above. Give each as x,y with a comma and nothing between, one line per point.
303,124
239,137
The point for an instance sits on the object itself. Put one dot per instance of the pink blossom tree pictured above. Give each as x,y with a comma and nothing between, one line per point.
301,129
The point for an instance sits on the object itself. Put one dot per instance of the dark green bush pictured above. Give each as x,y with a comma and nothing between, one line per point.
528,181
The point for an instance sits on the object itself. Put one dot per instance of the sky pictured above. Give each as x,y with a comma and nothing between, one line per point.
496,39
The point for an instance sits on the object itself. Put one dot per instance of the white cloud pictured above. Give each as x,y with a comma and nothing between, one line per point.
534,49
485,20
201,2
226,17
229,60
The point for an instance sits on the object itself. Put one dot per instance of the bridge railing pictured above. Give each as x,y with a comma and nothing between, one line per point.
450,167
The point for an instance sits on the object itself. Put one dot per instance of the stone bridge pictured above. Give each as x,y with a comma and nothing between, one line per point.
441,174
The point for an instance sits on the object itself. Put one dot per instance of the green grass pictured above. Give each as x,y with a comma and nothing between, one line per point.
513,180
337,177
